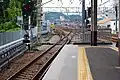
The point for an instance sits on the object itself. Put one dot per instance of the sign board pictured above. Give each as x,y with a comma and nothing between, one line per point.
19,19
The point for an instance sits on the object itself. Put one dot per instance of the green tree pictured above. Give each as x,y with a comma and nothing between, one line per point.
14,9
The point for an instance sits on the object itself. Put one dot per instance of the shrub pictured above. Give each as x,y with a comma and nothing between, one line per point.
7,26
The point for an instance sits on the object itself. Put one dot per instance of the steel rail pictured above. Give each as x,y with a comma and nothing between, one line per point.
15,75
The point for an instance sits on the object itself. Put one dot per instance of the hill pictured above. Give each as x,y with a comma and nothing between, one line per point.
56,15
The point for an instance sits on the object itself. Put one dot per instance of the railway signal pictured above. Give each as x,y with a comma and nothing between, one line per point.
87,21
26,40
27,8
89,12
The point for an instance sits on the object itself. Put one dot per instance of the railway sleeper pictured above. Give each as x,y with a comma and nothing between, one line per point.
28,77
26,74
29,72
20,79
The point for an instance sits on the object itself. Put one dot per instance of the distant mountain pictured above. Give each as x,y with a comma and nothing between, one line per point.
56,15
53,15
74,17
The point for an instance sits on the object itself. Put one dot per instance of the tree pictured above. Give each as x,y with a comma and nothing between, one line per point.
14,9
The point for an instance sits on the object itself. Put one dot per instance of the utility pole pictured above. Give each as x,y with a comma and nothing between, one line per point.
83,17
92,36
94,22
119,35
39,17
39,12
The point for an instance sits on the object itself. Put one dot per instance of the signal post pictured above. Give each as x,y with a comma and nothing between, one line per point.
26,13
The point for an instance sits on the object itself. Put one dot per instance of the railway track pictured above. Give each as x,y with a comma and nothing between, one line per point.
37,68
110,38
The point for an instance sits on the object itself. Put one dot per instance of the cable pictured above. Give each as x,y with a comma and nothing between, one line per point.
103,3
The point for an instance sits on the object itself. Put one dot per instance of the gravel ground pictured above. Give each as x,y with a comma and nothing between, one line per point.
19,62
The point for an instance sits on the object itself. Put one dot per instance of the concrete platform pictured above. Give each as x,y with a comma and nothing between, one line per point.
64,67
103,63
85,63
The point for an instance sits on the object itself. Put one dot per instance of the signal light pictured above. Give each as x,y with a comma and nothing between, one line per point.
27,8
26,39
87,21
89,11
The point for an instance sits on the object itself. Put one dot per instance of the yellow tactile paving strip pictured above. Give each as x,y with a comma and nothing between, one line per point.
114,48
83,66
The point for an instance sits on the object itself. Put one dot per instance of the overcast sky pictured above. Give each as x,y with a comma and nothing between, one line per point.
75,3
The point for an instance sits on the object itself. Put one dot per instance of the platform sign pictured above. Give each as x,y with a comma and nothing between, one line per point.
19,19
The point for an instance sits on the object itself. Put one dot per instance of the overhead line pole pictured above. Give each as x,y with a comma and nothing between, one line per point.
39,11
83,18
94,22
39,17
116,12
119,35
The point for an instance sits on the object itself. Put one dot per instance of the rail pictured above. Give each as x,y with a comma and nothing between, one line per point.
19,75
12,49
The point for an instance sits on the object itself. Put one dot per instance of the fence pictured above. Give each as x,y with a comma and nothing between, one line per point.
8,37
103,35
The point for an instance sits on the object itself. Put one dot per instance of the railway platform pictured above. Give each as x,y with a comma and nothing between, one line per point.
85,63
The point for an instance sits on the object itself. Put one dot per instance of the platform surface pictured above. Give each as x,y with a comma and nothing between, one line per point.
85,63
103,63
64,67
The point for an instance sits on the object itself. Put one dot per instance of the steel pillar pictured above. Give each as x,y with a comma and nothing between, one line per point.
119,35
83,17
116,19
39,11
94,22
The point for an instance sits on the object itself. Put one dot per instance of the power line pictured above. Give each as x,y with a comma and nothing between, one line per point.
104,3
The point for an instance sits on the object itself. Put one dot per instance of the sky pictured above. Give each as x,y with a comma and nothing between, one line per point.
74,3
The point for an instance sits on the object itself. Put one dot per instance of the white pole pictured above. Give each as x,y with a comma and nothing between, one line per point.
29,23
